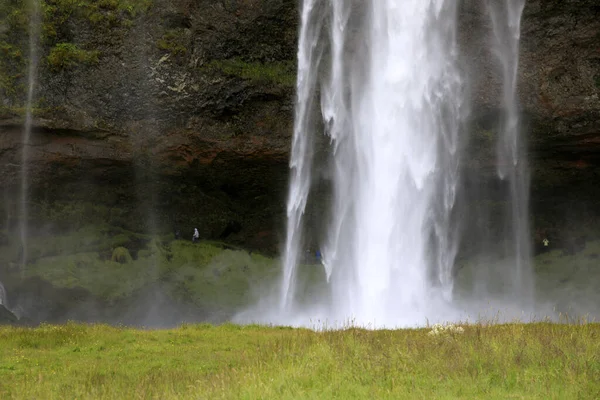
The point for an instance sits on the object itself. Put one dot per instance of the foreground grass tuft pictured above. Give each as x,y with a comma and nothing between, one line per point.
536,361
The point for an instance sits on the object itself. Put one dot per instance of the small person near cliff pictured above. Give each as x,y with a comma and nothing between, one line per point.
196,236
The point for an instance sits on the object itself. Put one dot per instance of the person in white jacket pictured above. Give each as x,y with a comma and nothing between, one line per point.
196,236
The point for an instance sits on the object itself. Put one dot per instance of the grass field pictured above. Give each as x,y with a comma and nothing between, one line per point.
535,361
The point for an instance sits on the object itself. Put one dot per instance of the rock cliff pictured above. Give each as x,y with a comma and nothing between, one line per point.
174,114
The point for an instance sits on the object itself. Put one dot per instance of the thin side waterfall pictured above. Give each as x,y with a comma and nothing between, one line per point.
512,158
34,30
309,57
392,110
2,295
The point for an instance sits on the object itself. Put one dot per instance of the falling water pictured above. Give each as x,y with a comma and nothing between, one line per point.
309,57
34,28
2,295
393,104
512,161
392,113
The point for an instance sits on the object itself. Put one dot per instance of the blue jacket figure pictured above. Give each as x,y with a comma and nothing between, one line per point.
318,255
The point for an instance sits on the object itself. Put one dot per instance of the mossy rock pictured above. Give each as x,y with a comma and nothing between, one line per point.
282,73
174,42
68,55
121,255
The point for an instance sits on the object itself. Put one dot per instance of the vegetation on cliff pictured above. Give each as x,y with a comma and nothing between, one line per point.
275,73
13,37
114,265
67,55
106,13
172,42
58,43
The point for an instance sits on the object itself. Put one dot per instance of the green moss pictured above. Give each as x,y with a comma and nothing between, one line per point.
11,51
172,41
276,73
199,254
200,273
112,13
58,17
216,278
106,279
14,19
68,55
121,255
119,240
15,16
205,274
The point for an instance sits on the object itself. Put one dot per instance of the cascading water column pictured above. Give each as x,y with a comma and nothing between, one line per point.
512,158
392,111
34,30
405,122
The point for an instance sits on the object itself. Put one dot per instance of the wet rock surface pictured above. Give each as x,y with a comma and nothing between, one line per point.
6,316
185,118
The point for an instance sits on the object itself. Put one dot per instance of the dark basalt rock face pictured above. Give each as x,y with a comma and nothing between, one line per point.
559,94
183,121
7,317
180,115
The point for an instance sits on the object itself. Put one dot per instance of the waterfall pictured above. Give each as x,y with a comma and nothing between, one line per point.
392,113
309,57
511,154
34,33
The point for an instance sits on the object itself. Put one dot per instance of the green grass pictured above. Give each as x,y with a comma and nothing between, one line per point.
537,361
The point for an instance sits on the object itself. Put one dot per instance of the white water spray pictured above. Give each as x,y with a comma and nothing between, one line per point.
34,30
